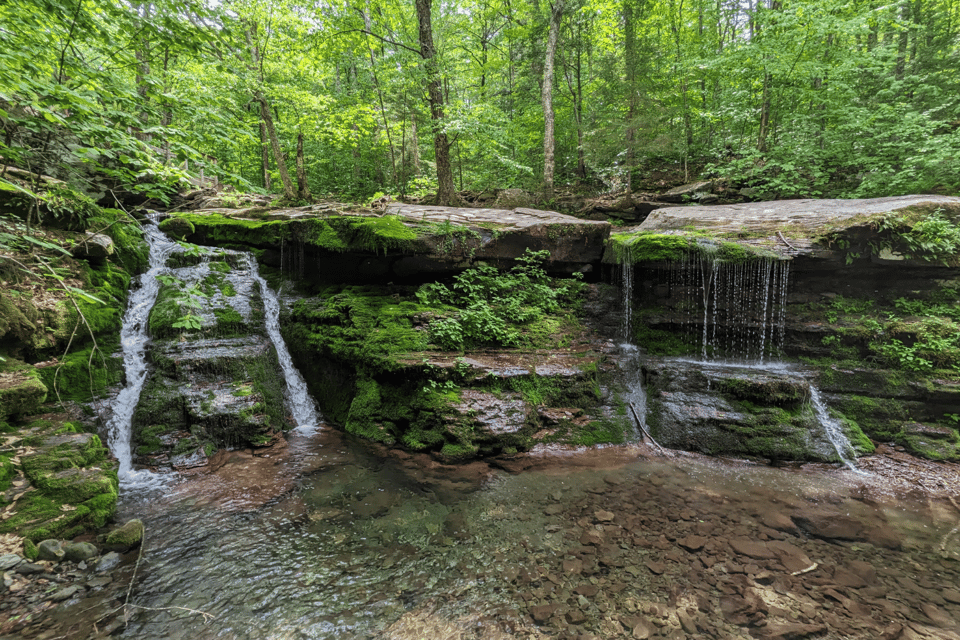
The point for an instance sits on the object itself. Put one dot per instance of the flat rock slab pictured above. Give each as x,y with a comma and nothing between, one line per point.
519,218
796,219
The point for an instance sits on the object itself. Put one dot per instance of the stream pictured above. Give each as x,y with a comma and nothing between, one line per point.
331,538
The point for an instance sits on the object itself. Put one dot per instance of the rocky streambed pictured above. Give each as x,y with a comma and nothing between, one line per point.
333,538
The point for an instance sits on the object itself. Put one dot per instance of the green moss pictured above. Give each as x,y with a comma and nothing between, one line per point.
644,246
22,389
776,391
84,374
178,228
30,550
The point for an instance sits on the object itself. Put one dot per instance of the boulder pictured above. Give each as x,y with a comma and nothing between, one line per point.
93,247
79,551
126,537
50,550
691,192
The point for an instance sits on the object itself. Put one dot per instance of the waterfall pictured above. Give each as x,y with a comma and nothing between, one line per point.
832,429
740,306
302,406
626,292
133,341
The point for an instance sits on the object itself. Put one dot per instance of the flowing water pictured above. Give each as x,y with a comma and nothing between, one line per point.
832,428
351,542
302,406
133,342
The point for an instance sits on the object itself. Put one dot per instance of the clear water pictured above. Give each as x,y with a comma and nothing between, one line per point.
351,539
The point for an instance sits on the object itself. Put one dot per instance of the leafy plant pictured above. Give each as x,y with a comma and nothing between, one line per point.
494,305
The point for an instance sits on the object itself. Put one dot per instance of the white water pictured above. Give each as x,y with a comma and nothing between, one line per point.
133,341
832,429
134,338
302,406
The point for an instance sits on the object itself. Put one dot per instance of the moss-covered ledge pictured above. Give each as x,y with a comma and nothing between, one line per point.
406,241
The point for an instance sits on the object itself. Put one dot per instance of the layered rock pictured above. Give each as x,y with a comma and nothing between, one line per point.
215,381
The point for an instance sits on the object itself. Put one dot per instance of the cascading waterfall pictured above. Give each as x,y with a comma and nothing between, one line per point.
134,338
302,406
740,305
133,341
734,311
832,428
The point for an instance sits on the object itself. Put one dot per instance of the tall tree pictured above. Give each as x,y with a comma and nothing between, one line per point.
546,97
441,142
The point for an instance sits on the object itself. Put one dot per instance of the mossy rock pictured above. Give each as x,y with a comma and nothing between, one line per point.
128,536
932,441
178,228
21,389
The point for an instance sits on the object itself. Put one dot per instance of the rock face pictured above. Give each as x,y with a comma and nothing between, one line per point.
408,242
864,291
215,380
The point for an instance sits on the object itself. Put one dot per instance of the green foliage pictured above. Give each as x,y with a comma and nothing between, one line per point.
494,307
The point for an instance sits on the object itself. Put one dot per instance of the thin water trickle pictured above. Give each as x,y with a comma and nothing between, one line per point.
302,406
832,429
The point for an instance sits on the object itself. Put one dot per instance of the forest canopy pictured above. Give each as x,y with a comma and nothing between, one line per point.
790,98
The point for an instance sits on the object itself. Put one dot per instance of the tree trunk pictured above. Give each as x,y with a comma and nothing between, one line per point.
556,12
441,144
142,54
630,69
303,189
265,156
266,117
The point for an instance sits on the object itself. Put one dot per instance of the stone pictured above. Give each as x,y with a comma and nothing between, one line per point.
752,549
50,550
542,613
655,567
79,551
94,247
937,616
789,631
29,568
603,516
692,543
575,616
65,594
686,193
591,537
643,630
108,562
126,537
9,561
588,590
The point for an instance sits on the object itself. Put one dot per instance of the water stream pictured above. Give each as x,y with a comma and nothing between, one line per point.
133,342
832,428
302,406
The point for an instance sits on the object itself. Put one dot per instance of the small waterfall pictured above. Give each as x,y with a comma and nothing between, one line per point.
832,429
730,310
302,406
626,292
635,396
133,341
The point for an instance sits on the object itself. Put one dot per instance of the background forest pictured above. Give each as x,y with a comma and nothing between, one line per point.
791,98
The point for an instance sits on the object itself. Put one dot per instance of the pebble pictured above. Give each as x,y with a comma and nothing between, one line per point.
9,561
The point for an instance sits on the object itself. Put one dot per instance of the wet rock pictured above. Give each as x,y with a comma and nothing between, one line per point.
752,549
789,631
66,593
9,561
107,562
692,543
50,550
656,568
603,516
575,616
591,537
29,568
937,616
126,537
79,551
542,613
